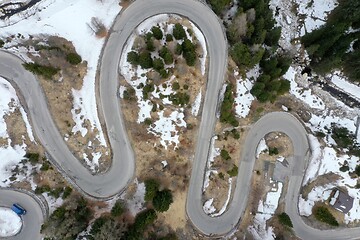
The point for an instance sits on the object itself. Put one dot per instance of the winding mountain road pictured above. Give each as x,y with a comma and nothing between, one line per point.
104,186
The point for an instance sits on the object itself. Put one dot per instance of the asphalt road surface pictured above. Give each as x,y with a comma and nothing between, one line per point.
106,185
32,220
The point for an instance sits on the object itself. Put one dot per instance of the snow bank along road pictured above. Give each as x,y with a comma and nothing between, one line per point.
121,173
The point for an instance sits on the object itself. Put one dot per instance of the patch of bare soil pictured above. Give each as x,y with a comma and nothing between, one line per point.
58,92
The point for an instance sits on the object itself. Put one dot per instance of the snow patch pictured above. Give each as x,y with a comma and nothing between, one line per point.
10,222
196,105
214,152
266,210
262,147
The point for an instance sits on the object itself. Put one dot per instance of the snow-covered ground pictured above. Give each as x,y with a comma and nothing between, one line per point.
70,20
167,124
243,97
10,155
331,163
136,203
211,210
262,147
214,152
10,222
266,210
315,12
304,93
339,80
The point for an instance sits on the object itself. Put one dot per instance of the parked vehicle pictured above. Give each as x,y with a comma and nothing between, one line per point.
19,210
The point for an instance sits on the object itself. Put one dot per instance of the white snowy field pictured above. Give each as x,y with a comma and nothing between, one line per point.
10,155
265,211
244,98
167,124
10,223
72,21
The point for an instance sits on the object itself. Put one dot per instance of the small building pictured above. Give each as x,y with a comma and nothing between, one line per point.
341,201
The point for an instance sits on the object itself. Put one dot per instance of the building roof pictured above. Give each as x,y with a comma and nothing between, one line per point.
341,201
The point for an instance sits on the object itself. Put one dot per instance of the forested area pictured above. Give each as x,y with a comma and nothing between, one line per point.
336,44
253,38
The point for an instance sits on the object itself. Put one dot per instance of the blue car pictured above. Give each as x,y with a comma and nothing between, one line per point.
19,210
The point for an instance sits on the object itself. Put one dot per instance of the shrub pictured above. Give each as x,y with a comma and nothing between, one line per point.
144,218
45,166
179,98
118,209
345,168
145,60
67,192
129,94
169,37
233,172
166,55
178,49
158,64
56,192
342,137
357,170
225,154
323,214
320,134
219,5
188,50
164,73
175,86
148,88
179,32
273,151
73,58
151,188
162,200
2,43
133,58
242,55
157,32
46,71
33,157
285,220
235,134
147,121
226,112
42,189
273,36
97,225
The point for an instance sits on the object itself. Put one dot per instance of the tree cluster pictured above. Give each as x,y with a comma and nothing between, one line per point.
73,58
142,221
323,214
46,71
63,192
330,46
269,85
285,220
233,172
161,199
67,221
227,114
345,139
218,6
251,29
109,227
